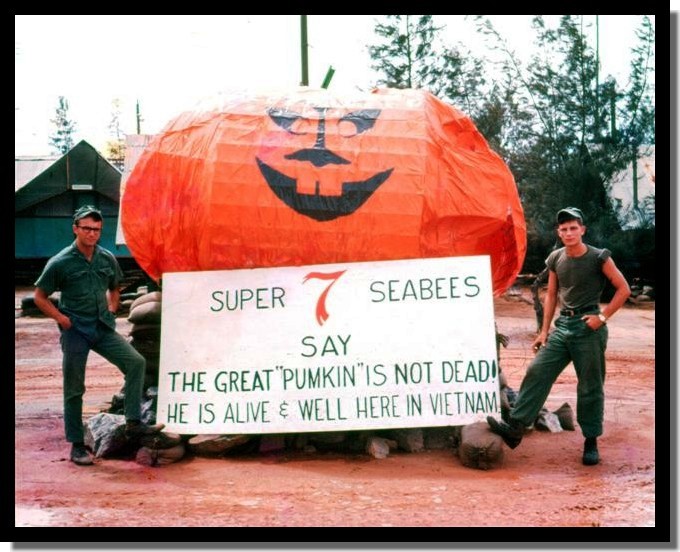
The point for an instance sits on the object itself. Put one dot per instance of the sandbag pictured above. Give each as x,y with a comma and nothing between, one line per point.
480,448
146,313
146,347
146,298
159,457
146,332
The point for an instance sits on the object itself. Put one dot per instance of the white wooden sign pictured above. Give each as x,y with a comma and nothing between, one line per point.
348,346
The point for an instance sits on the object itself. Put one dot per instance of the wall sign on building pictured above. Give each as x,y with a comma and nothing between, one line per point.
390,344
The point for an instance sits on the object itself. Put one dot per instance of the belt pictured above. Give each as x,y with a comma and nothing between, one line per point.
582,310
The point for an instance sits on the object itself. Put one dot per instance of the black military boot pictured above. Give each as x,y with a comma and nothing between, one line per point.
511,432
80,455
591,456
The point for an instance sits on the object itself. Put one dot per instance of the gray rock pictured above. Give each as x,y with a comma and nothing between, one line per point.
547,421
105,434
378,447
149,411
566,417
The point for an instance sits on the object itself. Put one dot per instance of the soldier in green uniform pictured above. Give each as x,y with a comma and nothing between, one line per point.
577,275
88,277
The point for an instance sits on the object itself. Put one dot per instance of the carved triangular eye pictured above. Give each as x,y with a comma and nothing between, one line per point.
362,120
285,119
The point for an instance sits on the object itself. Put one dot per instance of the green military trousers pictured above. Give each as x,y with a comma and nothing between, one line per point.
76,344
571,341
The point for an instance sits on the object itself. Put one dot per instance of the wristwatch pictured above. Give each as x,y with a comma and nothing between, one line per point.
602,318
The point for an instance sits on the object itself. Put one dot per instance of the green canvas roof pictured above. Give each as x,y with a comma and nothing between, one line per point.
82,168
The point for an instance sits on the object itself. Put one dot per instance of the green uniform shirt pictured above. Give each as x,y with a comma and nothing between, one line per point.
580,279
83,285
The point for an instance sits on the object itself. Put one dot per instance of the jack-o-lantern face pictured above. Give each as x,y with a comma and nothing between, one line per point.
311,177
313,202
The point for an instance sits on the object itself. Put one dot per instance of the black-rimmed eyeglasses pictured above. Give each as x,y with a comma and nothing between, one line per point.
90,229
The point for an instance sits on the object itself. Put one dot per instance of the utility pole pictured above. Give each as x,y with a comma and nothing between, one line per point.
635,181
303,47
139,120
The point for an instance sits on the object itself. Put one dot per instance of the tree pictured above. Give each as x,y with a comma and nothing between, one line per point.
404,55
410,53
581,131
61,140
463,82
639,113
115,148
504,121
563,131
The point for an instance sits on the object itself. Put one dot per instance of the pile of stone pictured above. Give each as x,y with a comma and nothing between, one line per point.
475,445
105,434
377,443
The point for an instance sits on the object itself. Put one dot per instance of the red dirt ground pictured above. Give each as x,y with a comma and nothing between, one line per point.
541,483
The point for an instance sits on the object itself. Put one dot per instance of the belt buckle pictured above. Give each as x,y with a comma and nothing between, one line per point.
569,312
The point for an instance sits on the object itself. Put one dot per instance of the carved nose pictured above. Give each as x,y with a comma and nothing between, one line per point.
319,157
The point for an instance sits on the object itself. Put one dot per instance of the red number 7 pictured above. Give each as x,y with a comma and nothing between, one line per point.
321,312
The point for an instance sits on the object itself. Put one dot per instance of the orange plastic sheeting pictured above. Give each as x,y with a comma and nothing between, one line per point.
312,177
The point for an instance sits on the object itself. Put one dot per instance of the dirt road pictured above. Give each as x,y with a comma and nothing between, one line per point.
541,483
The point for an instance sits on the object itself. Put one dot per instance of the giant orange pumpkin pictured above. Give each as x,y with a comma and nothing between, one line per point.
311,177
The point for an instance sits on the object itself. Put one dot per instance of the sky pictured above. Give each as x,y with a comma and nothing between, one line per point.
170,63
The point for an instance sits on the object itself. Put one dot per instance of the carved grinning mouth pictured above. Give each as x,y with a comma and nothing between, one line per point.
321,207
317,206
